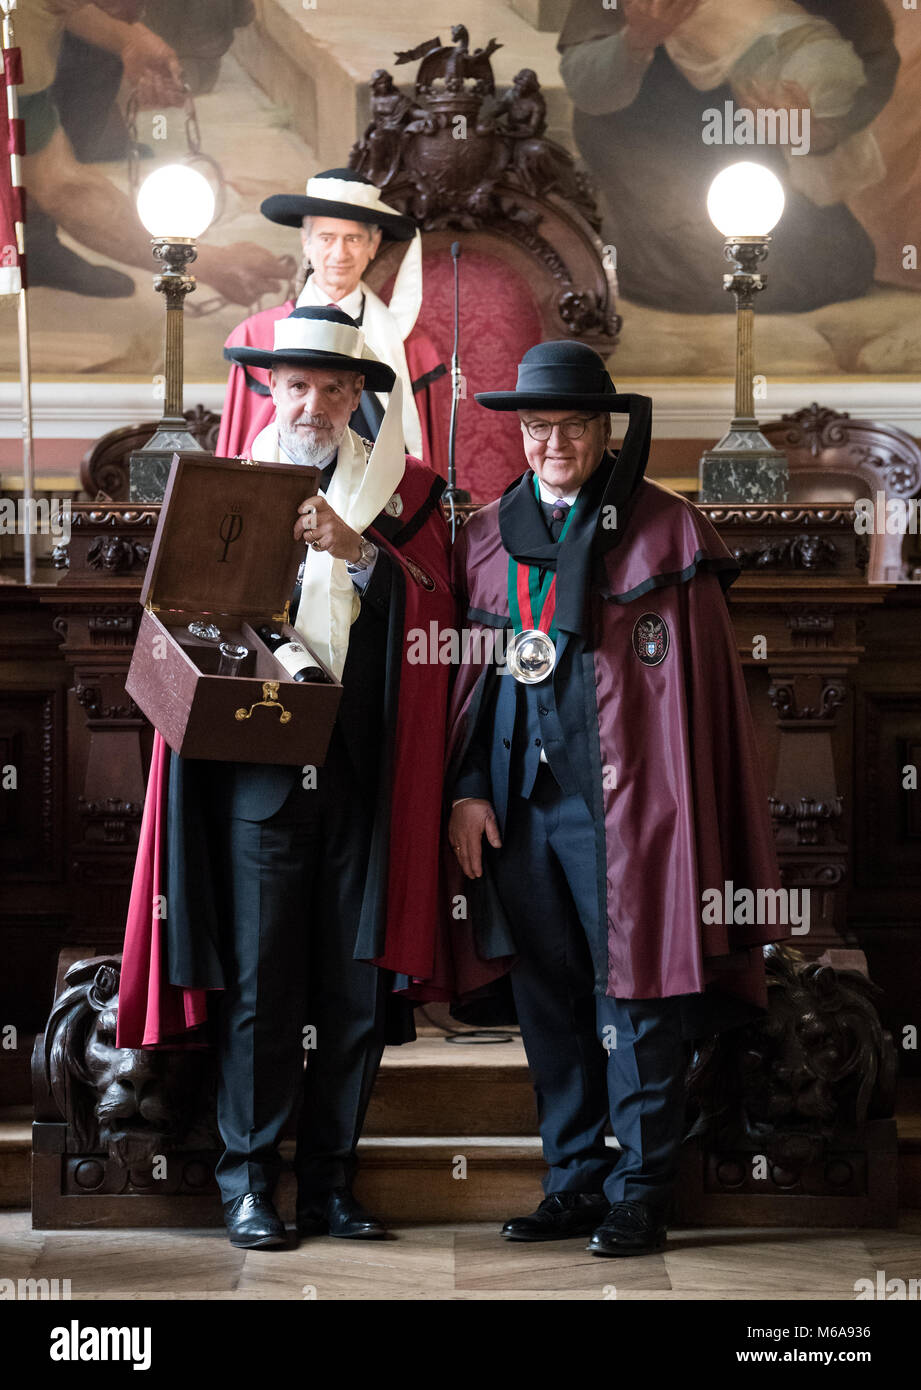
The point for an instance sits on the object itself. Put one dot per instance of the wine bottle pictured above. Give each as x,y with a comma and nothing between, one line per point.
293,656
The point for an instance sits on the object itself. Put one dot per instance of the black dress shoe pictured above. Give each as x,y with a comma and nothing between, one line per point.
630,1228
559,1216
337,1213
253,1222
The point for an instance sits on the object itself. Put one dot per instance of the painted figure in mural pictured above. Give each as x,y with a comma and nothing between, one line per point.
77,196
650,81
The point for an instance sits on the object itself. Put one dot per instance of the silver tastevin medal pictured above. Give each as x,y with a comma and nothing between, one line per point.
531,656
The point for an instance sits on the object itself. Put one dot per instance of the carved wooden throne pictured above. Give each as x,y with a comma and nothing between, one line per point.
475,166
835,459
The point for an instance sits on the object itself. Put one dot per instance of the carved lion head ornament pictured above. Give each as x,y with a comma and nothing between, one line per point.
134,1103
819,1064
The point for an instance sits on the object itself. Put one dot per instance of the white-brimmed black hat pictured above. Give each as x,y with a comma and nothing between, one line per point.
319,336
339,193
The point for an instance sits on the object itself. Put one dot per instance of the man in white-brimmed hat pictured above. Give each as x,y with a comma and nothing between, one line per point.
343,223
308,897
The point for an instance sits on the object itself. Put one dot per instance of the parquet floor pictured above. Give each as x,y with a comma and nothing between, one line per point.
451,1263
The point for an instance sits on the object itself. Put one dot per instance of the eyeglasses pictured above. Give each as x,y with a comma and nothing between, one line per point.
573,428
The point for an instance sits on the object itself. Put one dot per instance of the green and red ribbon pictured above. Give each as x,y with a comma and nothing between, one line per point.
532,590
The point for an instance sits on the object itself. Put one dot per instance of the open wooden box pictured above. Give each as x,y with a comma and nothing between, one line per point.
224,552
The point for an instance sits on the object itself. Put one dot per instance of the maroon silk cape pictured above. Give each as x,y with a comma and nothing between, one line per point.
245,412
152,1010
689,810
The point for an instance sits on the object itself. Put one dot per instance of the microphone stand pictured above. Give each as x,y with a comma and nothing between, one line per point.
453,495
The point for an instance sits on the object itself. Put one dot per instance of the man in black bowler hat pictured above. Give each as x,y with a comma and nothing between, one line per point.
601,781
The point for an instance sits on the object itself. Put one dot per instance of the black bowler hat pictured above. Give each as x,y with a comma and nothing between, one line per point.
559,375
339,193
319,336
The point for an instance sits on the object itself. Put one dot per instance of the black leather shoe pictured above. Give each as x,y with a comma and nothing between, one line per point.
338,1214
559,1216
253,1222
630,1228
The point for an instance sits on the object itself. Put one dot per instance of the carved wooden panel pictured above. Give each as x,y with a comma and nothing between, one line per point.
888,737
32,759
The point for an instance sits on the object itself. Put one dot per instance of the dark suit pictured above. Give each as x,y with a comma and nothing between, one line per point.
548,883
291,862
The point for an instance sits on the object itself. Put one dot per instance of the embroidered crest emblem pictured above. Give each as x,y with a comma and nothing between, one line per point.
395,506
650,639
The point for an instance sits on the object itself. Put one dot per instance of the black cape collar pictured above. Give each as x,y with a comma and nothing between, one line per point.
591,533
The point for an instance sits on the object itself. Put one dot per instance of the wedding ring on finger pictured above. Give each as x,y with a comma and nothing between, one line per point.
316,545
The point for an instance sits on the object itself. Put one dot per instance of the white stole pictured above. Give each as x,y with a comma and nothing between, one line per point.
360,488
384,332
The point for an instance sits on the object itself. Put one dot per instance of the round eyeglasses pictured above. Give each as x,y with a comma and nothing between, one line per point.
570,429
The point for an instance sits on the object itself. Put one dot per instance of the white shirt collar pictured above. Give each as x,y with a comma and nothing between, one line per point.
548,495
312,294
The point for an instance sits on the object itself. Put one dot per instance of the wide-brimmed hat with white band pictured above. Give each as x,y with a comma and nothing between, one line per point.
339,193
362,484
317,336
344,194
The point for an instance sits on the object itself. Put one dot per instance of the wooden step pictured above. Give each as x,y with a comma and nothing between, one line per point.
419,1177
15,1155
16,1073
464,1178
432,1087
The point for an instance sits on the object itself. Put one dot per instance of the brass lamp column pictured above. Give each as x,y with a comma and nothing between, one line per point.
175,204
174,284
744,467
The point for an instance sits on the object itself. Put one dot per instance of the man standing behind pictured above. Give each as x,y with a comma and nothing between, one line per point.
599,788
300,893
343,222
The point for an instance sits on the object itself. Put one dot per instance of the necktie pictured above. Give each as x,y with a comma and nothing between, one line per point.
558,515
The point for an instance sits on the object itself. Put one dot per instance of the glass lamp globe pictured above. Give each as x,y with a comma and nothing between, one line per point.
175,201
746,199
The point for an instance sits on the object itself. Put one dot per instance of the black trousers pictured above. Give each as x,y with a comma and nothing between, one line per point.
292,890
595,1061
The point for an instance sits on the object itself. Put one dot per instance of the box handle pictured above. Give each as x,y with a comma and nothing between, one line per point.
270,700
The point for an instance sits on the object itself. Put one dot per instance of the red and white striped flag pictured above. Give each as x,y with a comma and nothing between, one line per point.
12,197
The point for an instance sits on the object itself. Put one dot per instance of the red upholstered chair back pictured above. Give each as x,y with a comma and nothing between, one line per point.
499,320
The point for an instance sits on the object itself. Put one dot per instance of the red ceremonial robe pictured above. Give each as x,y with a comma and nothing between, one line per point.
680,804
246,412
156,1007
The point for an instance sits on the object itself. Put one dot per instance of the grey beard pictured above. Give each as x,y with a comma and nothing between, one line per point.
308,449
